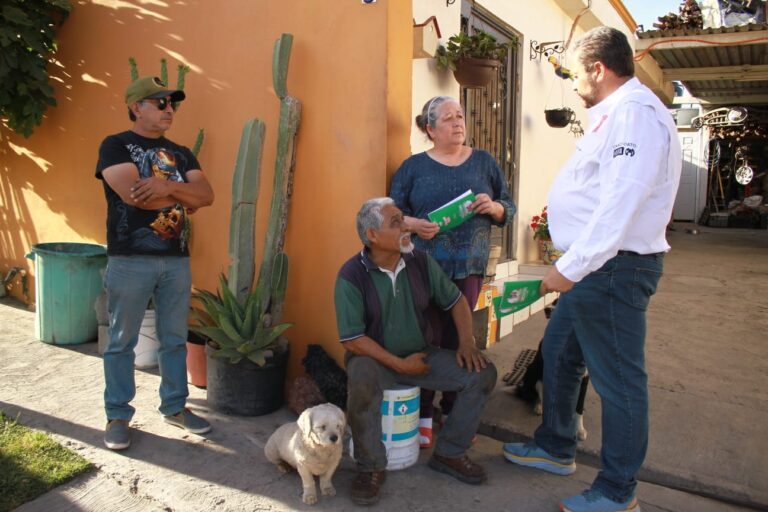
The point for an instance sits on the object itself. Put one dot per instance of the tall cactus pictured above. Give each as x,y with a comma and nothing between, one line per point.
273,272
245,194
285,162
257,308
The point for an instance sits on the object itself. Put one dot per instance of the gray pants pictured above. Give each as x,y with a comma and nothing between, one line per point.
367,380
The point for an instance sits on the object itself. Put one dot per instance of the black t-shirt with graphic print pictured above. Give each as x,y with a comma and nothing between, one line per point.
131,230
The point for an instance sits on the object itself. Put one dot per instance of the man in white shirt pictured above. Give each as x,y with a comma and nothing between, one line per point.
608,211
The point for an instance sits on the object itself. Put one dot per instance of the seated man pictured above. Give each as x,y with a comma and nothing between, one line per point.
381,296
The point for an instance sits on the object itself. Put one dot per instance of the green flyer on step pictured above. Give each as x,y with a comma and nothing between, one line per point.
516,296
454,212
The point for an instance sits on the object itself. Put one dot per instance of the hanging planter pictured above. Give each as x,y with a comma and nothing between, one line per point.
475,72
559,117
473,59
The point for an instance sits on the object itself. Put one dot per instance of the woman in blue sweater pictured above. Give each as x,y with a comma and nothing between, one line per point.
428,180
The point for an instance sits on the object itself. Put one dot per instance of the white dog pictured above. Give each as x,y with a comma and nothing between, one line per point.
312,445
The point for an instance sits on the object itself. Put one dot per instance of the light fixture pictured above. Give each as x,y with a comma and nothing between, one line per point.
744,174
737,115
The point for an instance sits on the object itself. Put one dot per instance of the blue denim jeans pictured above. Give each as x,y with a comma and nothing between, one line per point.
130,281
600,325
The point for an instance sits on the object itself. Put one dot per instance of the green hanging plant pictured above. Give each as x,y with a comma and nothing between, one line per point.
27,45
479,45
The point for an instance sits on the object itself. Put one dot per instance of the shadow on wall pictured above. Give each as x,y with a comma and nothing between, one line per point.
47,187
16,222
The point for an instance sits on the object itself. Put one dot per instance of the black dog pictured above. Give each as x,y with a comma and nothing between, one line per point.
329,376
531,387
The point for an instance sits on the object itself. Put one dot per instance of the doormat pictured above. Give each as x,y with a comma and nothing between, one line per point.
524,359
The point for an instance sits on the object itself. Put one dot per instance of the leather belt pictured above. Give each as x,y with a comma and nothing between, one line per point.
633,253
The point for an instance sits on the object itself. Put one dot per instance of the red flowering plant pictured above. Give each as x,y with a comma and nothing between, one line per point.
540,226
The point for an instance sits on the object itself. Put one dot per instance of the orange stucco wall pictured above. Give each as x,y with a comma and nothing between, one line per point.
348,143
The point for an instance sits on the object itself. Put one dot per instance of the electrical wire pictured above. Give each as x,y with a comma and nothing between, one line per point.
575,22
645,52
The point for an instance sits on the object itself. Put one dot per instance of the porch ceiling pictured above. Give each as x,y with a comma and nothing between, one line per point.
727,65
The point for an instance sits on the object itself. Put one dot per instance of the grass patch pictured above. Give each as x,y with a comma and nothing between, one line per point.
31,464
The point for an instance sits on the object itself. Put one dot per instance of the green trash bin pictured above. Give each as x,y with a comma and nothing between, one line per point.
67,283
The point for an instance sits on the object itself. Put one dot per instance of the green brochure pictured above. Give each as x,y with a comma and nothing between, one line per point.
516,296
454,212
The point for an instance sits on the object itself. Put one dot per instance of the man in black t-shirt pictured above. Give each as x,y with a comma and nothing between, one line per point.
151,185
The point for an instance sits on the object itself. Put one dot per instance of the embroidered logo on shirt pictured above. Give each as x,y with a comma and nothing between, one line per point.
625,148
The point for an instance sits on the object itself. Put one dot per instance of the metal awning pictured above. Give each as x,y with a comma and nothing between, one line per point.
719,66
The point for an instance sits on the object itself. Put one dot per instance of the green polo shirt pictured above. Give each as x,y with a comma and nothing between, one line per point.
402,335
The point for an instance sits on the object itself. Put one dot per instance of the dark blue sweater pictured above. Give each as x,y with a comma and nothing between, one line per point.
422,184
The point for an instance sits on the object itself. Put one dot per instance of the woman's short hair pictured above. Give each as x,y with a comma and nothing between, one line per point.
370,217
609,46
428,114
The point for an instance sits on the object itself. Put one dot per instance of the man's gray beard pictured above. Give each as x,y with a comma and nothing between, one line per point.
407,249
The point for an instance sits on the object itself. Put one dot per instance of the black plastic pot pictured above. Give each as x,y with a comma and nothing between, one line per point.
559,117
246,389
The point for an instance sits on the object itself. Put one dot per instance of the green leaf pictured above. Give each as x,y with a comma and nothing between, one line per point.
216,334
229,328
250,317
27,29
15,15
230,301
233,355
274,332
257,358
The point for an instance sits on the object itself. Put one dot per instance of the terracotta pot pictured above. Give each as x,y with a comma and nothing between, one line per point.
547,252
196,361
475,72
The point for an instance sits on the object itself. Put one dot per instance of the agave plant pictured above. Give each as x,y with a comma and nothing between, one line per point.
239,329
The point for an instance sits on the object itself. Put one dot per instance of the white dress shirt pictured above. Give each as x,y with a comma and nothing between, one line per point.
618,189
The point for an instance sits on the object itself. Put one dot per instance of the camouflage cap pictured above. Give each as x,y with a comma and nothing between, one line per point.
150,87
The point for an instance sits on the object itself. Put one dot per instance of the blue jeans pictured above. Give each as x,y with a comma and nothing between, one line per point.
367,380
130,281
600,325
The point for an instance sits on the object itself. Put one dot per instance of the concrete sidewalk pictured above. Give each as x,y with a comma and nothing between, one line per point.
59,390
707,364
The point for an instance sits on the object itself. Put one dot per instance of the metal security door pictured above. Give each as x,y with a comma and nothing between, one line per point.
492,112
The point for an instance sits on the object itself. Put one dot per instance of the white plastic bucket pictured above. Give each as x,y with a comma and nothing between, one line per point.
399,426
147,346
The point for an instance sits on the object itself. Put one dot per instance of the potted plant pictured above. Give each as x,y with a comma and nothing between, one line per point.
540,226
473,59
248,355
197,366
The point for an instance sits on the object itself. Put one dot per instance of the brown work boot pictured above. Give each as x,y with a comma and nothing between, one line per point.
461,468
366,487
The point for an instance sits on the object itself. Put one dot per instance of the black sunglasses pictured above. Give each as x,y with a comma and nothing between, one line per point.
162,104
